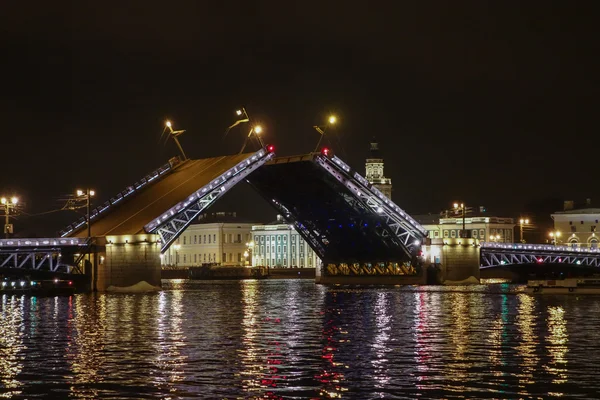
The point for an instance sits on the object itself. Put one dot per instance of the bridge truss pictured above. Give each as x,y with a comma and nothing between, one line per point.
47,254
337,212
175,220
500,254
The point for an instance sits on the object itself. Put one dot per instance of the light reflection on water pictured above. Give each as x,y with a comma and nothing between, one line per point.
294,339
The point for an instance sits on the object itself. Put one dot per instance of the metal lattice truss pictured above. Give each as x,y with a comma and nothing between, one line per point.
409,232
43,254
175,220
310,233
500,254
38,260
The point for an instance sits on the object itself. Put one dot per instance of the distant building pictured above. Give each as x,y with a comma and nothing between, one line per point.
216,238
576,225
278,245
477,226
374,171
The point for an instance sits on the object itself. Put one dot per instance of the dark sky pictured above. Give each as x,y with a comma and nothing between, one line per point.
489,103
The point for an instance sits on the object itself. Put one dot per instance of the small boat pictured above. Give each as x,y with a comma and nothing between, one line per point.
564,286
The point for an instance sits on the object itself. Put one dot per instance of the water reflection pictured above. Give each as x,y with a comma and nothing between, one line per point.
557,348
170,359
11,345
528,341
294,339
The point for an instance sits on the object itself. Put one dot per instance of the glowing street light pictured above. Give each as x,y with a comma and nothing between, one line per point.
174,135
462,208
176,247
8,204
555,235
322,128
87,194
522,221
256,129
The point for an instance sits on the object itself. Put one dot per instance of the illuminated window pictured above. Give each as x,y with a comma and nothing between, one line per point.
453,233
209,239
445,233
195,239
184,239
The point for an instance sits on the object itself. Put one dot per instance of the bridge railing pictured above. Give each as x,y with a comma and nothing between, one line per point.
120,196
42,242
537,247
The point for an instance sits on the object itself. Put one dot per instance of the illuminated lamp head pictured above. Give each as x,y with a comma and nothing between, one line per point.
325,151
270,148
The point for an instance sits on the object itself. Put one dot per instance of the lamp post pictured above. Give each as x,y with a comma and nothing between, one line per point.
174,135
321,129
86,194
522,221
176,247
461,207
555,235
256,129
248,253
7,206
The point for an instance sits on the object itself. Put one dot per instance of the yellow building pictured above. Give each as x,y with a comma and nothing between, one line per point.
576,225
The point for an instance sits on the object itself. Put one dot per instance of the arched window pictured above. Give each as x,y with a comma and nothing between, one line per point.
594,242
573,242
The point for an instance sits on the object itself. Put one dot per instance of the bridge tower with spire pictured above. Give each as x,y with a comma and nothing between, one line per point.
374,171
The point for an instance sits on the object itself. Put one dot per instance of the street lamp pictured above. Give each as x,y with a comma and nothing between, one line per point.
321,129
256,129
555,235
8,204
248,253
522,222
174,135
86,194
176,247
461,207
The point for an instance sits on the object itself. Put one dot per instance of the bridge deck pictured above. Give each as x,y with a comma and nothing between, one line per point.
130,216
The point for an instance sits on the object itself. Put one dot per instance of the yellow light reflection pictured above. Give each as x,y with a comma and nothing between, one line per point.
559,338
527,346
85,349
11,344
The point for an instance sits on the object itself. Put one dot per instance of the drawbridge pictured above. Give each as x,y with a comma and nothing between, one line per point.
342,217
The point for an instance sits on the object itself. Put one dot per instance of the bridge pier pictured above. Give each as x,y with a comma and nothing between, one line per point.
377,273
124,260
458,259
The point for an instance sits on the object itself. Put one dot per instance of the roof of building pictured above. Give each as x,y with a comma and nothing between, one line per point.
572,207
223,217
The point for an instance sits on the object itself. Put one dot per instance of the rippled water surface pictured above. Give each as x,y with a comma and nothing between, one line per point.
294,339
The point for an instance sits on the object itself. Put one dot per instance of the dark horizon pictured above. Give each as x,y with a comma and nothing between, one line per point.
487,104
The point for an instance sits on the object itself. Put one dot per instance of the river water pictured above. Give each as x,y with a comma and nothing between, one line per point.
285,339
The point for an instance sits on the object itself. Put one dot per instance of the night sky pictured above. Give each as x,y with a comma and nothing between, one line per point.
490,103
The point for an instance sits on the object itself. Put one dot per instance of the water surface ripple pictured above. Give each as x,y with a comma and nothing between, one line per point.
292,339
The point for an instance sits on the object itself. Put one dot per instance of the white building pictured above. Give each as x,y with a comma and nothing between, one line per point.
216,238
482,228
576,226
374,171
280,246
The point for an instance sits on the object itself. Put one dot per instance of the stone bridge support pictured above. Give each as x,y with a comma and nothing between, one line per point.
457,260
124,260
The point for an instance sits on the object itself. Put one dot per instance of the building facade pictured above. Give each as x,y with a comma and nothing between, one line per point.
482,228
576,225
374,171
278,245
214,239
